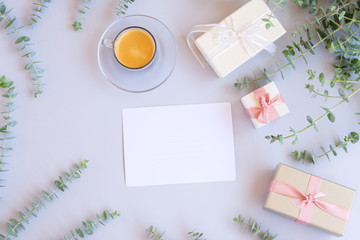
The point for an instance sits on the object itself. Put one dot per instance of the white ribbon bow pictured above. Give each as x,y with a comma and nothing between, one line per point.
229,35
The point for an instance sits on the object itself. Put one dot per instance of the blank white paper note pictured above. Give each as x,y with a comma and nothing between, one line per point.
178,144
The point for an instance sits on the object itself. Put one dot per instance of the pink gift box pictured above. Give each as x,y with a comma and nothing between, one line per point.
265,105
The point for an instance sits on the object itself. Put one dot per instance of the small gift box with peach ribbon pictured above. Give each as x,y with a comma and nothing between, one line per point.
264,105
310,200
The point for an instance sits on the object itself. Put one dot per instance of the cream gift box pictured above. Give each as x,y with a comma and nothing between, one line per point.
238,37
264,105
310,200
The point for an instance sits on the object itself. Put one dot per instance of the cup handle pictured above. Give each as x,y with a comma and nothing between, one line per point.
108,43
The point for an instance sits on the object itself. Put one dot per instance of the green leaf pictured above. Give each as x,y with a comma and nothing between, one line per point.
253,226
331,117
89,231
10,23
11,232
321,34
2,8
77,26
59,185
333,150
22,39
326,94
341,15
325,153
79,232
23,218
29,54
290,61
279,69
309,119
354,137
341,92
329,114
267,75
13,221
310,87
12,123
28,66
322,78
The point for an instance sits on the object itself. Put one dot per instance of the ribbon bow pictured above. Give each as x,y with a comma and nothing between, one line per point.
228,35
266,111
307,202
249,36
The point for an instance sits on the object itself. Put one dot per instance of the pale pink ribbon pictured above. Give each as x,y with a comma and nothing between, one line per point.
228,35
266,112
308,201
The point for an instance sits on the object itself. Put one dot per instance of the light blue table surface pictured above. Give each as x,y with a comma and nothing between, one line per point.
79,116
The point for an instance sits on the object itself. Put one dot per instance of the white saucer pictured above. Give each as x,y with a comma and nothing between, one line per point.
146,79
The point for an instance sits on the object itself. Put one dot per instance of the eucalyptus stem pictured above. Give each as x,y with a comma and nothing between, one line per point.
77,24
89,226
153,233
268,22
38,10
123,7
306,156
323,80
196,235
24,40
313,123
325,114
14,225
8,122
316,93
330,14
255,228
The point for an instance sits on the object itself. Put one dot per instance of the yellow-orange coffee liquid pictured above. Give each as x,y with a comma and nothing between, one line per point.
134,48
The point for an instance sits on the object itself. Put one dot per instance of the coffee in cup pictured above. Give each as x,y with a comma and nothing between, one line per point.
134,48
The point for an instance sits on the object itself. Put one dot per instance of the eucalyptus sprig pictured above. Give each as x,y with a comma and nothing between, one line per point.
302,3
307,156
23,43
255,228
8,122
153,233
88,227
123,7
313,123
40,6
14,225
196,235
270,16
316,93
82,10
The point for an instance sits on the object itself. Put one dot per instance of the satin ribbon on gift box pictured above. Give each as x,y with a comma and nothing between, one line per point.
310,200
229,35
266,111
